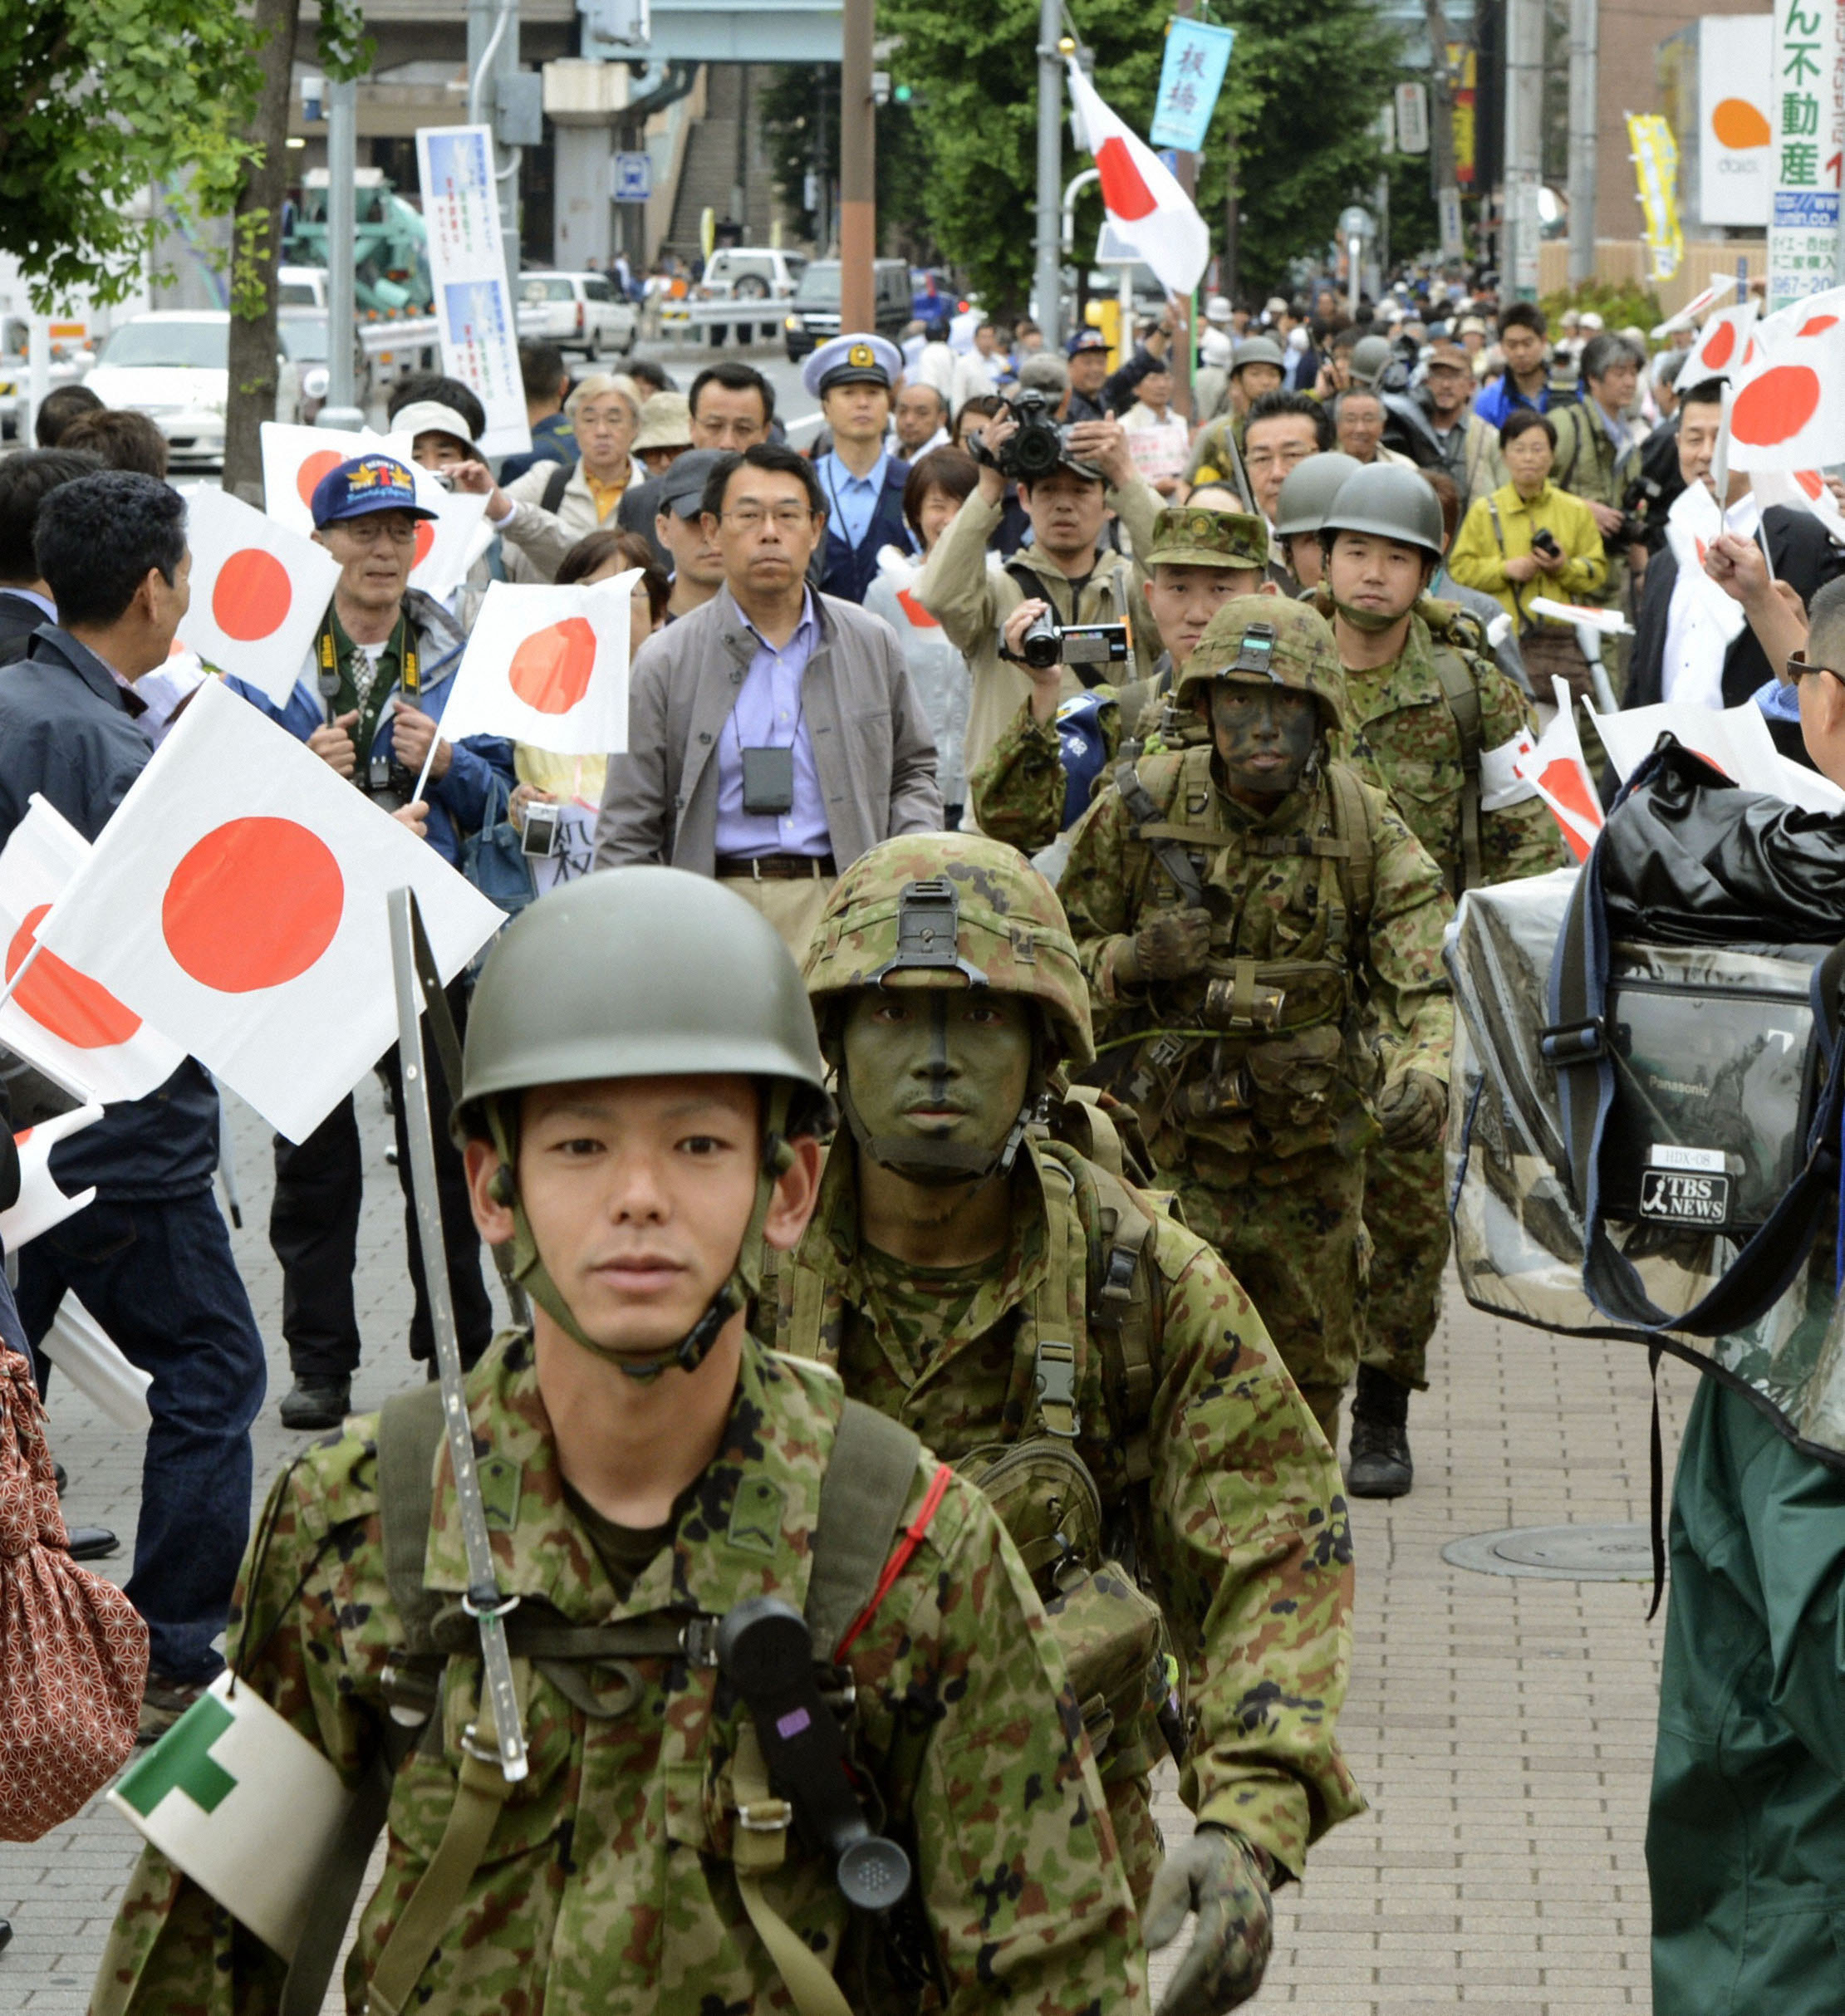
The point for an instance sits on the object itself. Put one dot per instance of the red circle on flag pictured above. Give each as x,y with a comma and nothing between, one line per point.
252,905
1815,324
425,542
308,477
1774,407
551,670
1811,481
1124,188
251,597
60,998
1722,345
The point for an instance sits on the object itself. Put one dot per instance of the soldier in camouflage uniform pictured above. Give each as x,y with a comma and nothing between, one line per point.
1262,934
1052,1330
1039,777
641,1094
1435,722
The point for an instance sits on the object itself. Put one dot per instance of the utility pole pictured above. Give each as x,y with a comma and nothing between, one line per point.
1230,224
1441,133
1584,52
341,407
1049,276
858,175
493,55
1524,100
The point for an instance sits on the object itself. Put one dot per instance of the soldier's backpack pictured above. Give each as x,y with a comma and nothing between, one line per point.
856,1539
1454,632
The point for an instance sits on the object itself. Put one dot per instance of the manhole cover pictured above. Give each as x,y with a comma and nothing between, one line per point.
1558,1553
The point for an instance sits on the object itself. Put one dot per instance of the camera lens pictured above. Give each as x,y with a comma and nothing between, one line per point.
1042,644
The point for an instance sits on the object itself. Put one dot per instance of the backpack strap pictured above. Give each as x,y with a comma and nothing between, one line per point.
1460,690
555,484
1131,782
1351,822
869,1478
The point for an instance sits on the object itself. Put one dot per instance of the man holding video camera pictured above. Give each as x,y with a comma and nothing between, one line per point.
1070,479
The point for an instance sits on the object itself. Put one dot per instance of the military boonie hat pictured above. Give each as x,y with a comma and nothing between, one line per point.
362,485
1189,536
1268,640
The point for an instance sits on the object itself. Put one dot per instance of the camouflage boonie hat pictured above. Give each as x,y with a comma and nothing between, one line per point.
1187,535
950,909
1268,640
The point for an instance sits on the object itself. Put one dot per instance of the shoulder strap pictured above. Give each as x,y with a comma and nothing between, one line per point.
409,1432
1352,824
555,484
869,1479
1125,1308
1132,781
1460,690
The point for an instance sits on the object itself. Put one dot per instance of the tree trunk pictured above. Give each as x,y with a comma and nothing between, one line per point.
256,249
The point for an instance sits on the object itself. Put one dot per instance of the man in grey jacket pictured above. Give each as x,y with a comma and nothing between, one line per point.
773,734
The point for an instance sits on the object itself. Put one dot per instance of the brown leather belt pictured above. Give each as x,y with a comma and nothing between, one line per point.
774,867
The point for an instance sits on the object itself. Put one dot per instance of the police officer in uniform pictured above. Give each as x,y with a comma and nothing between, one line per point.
1261,935
1435,722
851,377
642,1092
1050,1330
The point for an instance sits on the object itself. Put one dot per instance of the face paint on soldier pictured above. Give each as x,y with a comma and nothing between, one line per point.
1375,581
1183,600
939,1064
1265,740
638,1191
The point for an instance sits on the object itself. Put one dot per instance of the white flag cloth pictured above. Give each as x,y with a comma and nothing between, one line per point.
294,460
1692,525
59,1018
208,1796
1556,770
1142,197
258,592
1800,490
1736,739
238,897
1790,408
41,1204
1724,344
1811,315
92,1360
548,666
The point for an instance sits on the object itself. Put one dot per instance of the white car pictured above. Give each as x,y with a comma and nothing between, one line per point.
582,311
750,272
301,286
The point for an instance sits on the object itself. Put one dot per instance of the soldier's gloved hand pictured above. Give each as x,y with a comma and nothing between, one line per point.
1217,1875
1412,1111
1166,949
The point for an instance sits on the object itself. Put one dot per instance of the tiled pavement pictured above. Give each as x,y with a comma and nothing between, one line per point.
1502,1729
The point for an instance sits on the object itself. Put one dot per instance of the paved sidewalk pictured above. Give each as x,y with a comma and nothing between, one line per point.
1502,1729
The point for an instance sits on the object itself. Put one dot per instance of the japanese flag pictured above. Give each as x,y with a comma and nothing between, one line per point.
449,544
238,897
1556,770
1142,198
58,1018
41,1204
548,666
258,592
1790,408
1811,316
1726,344
1692,525
294,460
1800,490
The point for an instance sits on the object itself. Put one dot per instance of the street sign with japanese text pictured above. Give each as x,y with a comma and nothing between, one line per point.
1802,224
1190,77
1412,118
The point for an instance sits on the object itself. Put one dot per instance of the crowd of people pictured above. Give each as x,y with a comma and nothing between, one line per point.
1049,789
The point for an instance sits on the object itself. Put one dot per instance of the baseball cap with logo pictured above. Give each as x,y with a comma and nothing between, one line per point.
362,485
1085,339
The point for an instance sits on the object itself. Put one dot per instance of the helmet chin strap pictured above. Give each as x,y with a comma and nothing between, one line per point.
529,1270
1366,620
934,1165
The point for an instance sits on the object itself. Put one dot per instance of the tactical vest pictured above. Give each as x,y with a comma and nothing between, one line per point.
856,1542
1256,1053
1113,1635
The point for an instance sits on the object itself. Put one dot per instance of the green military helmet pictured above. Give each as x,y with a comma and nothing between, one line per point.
1268,640
950,909
1390,500
1370,358
1308,494
1189,536
1257,350
639,973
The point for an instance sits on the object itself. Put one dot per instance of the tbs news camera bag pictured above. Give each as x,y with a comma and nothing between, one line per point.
1650,1059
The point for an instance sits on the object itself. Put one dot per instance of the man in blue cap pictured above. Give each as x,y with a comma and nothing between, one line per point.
851,377
367,703
1088,350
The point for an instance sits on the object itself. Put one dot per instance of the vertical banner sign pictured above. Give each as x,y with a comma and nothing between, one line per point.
1656,168
1803,223
1190,77
473,303
1463,68
1412,118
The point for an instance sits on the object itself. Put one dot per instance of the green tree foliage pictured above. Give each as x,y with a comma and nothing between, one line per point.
1305,85
101,99
792,132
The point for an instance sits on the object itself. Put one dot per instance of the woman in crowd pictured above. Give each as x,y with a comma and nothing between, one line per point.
1157,437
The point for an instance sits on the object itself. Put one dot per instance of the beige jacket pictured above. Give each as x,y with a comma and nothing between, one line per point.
971,598
537,539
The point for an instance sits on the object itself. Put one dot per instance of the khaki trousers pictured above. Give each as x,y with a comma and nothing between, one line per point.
792,905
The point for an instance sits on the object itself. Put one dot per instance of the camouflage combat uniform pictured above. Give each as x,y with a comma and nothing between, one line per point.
1405,734
1257,1109
1254,1583
608,1885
